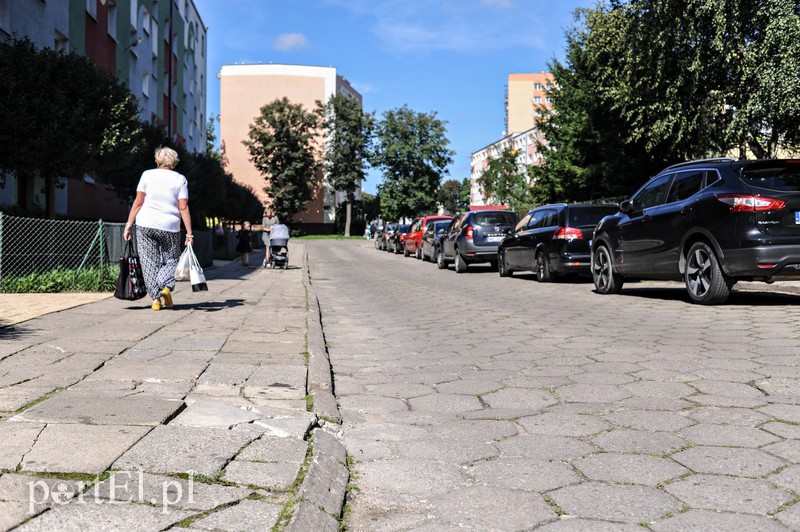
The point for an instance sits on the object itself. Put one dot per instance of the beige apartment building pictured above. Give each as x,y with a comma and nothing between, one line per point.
525,95
244,89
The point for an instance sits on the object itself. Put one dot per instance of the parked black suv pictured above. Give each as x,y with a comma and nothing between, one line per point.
552,240
709,223
473,237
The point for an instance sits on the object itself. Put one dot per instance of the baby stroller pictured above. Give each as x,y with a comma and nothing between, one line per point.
279,253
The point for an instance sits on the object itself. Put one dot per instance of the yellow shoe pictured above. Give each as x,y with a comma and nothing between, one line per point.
156,304
167,295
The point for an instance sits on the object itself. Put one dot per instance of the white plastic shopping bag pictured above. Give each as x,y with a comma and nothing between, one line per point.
182,271
196,275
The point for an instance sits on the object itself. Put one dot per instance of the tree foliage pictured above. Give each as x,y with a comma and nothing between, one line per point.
62,115
281,146
504,183
451,195
348,134
647,83
411,150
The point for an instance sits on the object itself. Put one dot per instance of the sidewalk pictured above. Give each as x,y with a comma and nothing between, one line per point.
117,417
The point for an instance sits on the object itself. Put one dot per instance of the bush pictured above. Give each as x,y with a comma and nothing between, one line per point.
95,279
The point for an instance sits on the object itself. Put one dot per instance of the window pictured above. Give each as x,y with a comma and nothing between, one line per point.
536,220
134,11
549,100
112,19
549,86
60,42
522,223
146,84
537,99
686,184
91,8
653,194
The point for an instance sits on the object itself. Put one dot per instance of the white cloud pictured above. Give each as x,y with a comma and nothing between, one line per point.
290,41
499,4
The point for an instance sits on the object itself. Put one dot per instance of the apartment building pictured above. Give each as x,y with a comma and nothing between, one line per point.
244,90
526,98
156,47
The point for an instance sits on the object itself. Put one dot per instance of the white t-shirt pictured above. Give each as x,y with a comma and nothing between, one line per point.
162,188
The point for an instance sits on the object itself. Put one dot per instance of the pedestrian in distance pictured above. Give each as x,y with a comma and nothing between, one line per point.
269,220
162,201
244,246
278,235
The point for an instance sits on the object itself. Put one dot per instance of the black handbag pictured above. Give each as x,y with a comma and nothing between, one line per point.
130,283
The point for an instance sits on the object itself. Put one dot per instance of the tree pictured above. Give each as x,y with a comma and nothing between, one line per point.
281,146
587,155
411,150
451,195
504,184
63,116
348,132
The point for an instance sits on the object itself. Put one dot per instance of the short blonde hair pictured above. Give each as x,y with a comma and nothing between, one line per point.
166,157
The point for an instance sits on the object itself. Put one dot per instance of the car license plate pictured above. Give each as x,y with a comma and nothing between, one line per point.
494,238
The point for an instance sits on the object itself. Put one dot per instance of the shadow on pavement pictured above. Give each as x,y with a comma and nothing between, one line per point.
736,298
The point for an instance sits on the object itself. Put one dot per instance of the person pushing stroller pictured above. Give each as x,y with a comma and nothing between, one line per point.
278,248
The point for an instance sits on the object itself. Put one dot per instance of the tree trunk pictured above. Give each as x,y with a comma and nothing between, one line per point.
50,196
348,217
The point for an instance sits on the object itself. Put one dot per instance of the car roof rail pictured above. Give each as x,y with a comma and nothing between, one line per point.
700,161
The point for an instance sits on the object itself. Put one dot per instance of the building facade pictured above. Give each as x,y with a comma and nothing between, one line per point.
526,98
156,47
244,90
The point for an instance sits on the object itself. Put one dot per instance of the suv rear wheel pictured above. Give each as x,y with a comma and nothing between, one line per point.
502,265
543,274
461,264
606,281
704,279
441,263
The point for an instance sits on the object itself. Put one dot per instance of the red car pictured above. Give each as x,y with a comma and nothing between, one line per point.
413,244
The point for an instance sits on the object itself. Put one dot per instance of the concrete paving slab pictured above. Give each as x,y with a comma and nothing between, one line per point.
728,461
167,492
729,494
101,410
631,504
544,447
248,515
629,468
88,516
571,524
170,449
700,520
13,398
275,449
490,508
524,474
74,448
18,440
270,475
216,414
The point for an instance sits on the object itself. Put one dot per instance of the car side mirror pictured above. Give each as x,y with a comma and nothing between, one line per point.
626,206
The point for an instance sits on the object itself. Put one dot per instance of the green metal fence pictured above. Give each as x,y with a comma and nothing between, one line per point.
37,246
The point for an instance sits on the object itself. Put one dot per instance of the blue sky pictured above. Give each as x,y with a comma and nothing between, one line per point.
451,57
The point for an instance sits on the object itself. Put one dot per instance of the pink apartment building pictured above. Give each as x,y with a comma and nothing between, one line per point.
244,89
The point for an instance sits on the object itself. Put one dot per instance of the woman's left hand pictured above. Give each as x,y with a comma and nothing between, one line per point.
189,240
126,234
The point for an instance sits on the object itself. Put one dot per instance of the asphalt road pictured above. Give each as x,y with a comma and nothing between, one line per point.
473,401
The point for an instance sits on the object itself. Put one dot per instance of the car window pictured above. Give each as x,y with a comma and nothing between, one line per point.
549,218
536,219
783,176
653,194
685,185
588,216
494,218
442,226
522,223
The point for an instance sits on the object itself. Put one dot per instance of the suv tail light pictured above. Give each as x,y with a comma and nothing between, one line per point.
743,203
568,233
470,232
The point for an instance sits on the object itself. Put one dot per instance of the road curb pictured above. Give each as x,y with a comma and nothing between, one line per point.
322,492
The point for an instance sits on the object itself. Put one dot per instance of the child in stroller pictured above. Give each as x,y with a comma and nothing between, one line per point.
278,250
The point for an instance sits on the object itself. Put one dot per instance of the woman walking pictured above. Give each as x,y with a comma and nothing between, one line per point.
162,201
244,246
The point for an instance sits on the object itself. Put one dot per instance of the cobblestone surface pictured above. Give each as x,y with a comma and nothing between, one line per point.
471,401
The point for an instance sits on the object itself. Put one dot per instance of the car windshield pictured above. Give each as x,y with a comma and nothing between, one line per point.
588,216
494,218
403,228
781,176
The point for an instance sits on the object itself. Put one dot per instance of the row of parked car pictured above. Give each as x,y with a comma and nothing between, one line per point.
709,223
